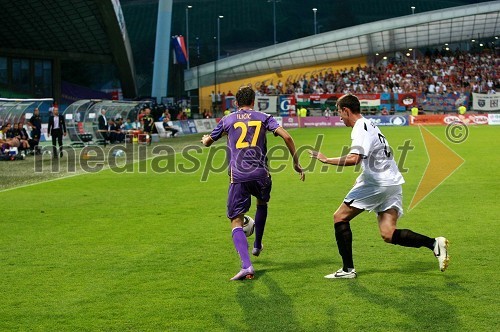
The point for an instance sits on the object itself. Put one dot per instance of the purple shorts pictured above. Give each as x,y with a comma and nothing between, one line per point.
239,197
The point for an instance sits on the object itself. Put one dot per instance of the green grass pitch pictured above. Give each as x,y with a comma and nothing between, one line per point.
152,251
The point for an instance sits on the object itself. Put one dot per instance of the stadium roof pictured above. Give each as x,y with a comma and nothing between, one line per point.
413,31
85,30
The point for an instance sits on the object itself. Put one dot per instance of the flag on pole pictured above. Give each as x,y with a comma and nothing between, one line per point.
179,50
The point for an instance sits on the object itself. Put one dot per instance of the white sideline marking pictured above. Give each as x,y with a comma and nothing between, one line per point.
105,168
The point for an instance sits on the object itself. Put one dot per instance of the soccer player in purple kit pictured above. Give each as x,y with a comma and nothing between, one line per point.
248,171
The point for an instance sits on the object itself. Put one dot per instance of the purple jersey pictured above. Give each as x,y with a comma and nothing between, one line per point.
246,143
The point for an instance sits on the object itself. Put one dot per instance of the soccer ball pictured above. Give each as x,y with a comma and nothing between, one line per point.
248,225
118,153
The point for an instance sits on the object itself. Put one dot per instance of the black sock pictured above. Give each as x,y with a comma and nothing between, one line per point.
407,238
260,224
343,235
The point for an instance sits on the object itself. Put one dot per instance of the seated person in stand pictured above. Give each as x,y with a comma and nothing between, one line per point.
3,139
207,114
165,114
137,125
116,133
168,127
6,141
25,137
129,125
182,116
10,137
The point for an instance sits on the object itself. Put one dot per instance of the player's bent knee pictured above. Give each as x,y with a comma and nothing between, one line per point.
237,221
339,217
387,239
386,236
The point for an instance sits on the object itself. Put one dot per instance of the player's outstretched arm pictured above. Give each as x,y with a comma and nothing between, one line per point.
348,160
290,144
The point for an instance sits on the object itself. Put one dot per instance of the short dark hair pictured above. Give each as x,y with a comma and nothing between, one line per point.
245,96
349,101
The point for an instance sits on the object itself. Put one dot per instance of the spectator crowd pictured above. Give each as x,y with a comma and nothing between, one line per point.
434,73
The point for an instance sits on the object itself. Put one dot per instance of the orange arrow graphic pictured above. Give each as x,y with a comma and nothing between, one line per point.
443,162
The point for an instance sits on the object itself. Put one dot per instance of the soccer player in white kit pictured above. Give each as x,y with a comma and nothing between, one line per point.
378,189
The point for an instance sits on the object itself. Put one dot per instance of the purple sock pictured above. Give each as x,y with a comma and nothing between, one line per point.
260,224
241,245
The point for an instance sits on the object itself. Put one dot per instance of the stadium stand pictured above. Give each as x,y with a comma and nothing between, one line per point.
451,26
437,72
44,40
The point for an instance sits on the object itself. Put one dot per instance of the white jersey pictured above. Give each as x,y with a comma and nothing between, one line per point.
379,167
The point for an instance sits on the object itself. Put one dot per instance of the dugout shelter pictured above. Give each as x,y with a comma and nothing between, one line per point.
20,110
82,118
